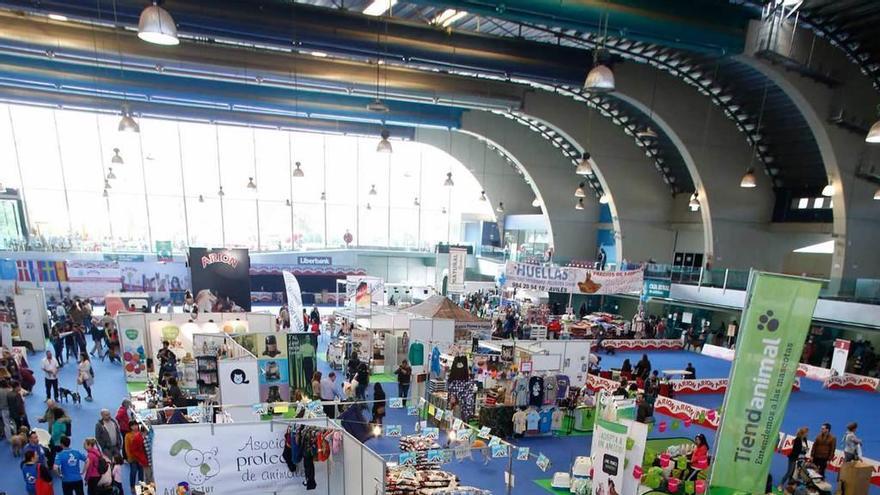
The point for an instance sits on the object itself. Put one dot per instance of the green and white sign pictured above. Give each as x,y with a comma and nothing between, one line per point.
163,251
775,322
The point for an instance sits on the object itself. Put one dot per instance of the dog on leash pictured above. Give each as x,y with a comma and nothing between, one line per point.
67,395
18,441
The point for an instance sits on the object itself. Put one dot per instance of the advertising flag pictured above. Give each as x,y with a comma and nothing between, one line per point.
457,261
608,453
775,322
294,302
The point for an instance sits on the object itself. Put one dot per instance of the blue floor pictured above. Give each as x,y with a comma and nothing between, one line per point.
706,367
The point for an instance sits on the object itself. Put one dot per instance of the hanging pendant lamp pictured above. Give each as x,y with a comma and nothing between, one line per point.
220,192
373,190
448,182
384,145
828,190
603,199
298,171
748,179
500,208
127,122
482,195
323,196
580,204
251,184
157,26
416,202
110,174
106,194
536,202
107,184
117,158
584,166
579,192
877,194
694,203
600,79
201,199
874,133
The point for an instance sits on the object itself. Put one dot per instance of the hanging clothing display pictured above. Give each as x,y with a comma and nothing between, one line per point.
545,421
521,391
562,385
416,354
435,361
519,422
557,419
550,389
536,391
307,444
532,420
464,392
459,370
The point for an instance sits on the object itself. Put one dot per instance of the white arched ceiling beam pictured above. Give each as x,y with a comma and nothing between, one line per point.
856,225
641,206
574,231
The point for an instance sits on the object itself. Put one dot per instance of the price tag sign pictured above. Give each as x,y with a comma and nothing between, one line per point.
522,454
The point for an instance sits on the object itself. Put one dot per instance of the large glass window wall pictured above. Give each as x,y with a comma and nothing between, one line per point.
86,186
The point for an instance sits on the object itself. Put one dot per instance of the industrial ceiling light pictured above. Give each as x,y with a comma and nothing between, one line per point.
828,190
482,195
220,192
201,199
117,158
580,204
110,174
369,207
379,7
579,192
647,133
127,122
416,202
603,199
323,196
500,208
378,106
600,79
297,172
448,17
106,193
874,133
448,182
443,210
536,202
584,166
694,203
748,179
877,194
287,203
251,184
157,26
107,184
384,145
373,190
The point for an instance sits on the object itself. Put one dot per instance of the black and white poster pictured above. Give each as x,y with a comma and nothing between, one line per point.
220,279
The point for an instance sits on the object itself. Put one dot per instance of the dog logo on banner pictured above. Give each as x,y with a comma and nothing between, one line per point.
203,464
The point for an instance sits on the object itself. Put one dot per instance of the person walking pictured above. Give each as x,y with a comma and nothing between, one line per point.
136,454
316,383
59,430
329,393
404,378
363,379
823,448
17,407
85,376
93,462
378,403
852,444
5,416
57,343
34,446
29,468
108,435
68,465
798,451
50,367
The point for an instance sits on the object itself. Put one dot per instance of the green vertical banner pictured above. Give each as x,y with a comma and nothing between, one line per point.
163,251
775,322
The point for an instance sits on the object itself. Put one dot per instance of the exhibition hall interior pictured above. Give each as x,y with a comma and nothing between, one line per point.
439,247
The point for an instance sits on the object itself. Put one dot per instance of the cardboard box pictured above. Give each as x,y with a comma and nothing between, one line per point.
854,478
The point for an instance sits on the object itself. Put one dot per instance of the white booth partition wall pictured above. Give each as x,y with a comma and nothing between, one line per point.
30,312
239,387
364,469
240,457
429,333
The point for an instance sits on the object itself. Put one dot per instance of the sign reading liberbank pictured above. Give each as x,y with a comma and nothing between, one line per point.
551,278
776,320
314,260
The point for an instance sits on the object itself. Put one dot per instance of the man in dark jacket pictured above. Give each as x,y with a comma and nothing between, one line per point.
108,435
823,448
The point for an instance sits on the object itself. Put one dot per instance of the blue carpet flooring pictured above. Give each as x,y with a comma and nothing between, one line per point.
811,406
